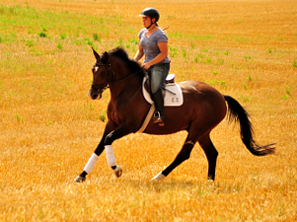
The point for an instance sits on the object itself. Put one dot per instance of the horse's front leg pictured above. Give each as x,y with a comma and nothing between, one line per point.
105,143
94,157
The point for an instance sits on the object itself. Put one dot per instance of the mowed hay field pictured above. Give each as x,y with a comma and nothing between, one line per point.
50,127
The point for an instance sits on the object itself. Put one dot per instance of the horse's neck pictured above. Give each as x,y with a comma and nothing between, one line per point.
126,81
128,86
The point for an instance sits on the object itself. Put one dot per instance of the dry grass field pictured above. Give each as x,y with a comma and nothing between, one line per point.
49,126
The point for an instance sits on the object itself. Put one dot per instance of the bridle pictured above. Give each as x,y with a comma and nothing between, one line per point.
101,87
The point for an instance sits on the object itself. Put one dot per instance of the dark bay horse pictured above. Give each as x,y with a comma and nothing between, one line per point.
203,109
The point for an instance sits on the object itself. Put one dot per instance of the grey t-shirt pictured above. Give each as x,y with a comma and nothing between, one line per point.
150,44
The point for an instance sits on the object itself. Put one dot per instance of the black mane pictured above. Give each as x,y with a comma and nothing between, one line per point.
123,55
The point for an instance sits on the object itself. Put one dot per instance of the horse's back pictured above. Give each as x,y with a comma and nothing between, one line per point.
201,90
209,102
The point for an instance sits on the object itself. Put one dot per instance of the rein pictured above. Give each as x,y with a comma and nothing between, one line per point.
127,77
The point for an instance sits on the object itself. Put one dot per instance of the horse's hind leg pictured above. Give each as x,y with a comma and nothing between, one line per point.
183,155
210,152
211,155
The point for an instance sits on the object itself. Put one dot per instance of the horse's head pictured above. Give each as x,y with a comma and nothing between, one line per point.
102,75
113,68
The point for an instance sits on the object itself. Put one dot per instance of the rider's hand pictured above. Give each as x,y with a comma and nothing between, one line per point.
146,65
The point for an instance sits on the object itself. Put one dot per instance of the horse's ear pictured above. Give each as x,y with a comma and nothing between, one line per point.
105,56
96,54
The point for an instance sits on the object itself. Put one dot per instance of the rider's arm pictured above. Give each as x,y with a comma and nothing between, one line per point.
139,54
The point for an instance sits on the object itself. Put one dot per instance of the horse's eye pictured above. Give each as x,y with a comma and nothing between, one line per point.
103,73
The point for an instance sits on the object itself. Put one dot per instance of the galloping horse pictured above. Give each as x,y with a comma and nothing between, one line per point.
202,110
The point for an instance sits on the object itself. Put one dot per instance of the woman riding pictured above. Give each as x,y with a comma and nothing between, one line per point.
153,44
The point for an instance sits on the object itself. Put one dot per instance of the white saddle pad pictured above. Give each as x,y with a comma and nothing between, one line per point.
173,94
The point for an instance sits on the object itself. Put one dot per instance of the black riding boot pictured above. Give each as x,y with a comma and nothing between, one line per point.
159,103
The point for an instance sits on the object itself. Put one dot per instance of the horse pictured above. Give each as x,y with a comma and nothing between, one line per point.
202,110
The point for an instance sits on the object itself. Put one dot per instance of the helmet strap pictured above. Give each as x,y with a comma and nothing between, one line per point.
150,24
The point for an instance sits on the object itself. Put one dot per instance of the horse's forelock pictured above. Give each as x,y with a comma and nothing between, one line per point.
103,60
104,57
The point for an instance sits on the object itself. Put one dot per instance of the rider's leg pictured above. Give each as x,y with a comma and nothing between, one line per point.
159,104
158,75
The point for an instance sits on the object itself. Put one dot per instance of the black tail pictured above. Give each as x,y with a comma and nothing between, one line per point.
238,114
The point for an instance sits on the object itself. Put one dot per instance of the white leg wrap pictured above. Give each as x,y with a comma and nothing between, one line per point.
109,156
91,163
159,177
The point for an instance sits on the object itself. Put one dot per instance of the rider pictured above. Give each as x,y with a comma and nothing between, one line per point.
153,45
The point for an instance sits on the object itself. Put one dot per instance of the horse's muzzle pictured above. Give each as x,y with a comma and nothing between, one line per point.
94,94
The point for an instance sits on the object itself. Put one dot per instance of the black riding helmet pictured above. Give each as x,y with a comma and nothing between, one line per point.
152,13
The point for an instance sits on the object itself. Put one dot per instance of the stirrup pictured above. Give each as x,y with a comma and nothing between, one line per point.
159,119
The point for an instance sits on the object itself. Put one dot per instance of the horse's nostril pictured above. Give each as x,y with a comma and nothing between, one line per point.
94,96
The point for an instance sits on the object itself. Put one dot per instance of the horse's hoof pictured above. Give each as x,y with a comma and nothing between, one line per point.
79,179
159,177
118,171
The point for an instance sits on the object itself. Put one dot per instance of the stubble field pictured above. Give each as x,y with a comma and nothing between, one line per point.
49,126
